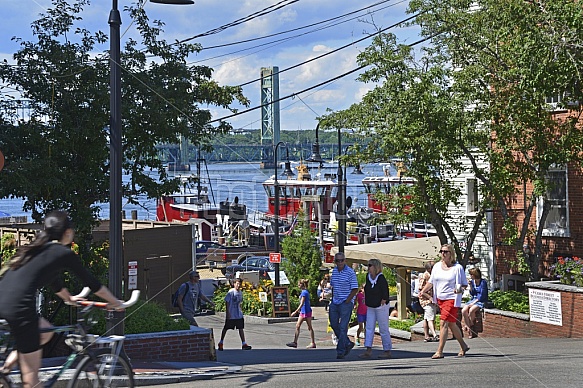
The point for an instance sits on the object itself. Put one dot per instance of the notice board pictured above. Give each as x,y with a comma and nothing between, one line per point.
280,301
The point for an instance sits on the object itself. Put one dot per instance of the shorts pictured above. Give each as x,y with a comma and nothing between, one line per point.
234,324
26,333
429,312
306,315
360,318
189,316
449,313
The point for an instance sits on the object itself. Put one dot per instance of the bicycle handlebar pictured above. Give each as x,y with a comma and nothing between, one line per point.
103,305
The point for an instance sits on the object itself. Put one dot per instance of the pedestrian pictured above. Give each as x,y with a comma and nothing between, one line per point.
376,291
325,291
189,294
479,293
305,314
234,314
429,308
38,264
448,281
344,289
360,307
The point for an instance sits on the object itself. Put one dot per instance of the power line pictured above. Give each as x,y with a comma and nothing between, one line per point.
278,41
337,49
252,16
303,27
311,87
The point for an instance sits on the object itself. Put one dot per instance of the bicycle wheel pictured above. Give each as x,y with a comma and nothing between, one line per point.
102,369
5,381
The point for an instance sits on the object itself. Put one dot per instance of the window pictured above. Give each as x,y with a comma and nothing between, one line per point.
557,221
473,202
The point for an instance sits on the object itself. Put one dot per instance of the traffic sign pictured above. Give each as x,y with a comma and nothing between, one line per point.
275,257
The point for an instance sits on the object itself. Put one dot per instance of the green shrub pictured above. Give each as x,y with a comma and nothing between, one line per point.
510,301
143,317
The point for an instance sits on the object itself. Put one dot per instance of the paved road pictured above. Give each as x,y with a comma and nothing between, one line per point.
491,363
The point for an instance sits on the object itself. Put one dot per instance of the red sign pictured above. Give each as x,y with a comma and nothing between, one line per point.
275,257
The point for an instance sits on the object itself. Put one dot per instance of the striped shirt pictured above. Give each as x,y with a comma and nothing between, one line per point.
343,282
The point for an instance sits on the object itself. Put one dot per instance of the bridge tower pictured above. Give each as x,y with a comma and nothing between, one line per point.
270,124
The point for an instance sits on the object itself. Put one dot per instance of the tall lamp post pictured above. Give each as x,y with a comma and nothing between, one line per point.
341,196
341,200
115,155
276,208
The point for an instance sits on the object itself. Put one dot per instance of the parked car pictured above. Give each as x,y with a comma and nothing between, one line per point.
253,263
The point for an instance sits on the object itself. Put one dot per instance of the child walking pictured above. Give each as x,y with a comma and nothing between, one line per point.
305,311
360,308
234,315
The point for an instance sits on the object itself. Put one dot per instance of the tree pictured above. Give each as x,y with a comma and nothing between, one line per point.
511,57
59,158
413,114
304,258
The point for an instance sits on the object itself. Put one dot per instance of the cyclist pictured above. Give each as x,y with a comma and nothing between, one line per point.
38,264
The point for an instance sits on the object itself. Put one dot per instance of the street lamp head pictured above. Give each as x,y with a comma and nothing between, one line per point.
315,157
176,2
287,170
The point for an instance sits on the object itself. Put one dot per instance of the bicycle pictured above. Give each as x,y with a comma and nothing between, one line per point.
98,360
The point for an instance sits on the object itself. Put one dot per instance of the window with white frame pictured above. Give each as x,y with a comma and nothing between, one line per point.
557,221
472,204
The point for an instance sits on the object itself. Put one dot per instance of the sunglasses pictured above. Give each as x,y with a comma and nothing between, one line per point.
442,251
369,265
338,260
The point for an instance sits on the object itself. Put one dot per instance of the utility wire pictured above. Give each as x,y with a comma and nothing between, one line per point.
278,41
336,50
254,15
304,27
311,87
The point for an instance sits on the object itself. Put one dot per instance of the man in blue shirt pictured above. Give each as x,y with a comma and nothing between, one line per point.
344,289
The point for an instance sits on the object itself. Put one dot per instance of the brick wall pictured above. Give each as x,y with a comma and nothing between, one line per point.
190,345
503,324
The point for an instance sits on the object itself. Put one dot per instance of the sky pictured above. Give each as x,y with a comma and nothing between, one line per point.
240,63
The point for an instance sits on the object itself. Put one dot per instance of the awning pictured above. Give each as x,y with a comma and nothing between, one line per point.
410,253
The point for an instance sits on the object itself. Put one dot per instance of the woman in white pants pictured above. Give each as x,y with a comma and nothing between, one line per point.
376,298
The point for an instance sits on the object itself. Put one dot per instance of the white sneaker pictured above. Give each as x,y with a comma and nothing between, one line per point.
334,340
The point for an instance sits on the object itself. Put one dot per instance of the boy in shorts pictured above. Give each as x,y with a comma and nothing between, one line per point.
234,315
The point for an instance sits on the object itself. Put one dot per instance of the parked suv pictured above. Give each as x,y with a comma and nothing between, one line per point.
252,263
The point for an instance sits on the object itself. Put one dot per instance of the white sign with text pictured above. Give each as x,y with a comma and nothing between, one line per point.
545,306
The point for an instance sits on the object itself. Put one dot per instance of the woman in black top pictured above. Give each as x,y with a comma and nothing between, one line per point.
34,266
376,298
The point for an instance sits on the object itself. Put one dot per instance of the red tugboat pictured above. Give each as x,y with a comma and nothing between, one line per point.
192,201
293,191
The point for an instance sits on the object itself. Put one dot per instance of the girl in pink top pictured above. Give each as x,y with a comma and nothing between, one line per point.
360,313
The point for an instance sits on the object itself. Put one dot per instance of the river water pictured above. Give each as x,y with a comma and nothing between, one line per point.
227,181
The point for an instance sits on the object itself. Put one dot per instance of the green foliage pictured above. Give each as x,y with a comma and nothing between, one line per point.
7,247
510,301
304,258
63,147
143,317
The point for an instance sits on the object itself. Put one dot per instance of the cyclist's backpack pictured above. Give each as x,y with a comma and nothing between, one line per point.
175,295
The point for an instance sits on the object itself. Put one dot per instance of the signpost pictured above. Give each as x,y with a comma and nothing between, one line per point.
275,257
545,306
280,301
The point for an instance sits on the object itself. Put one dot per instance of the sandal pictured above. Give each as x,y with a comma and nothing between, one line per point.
428,339
437,356
463,352
311,346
